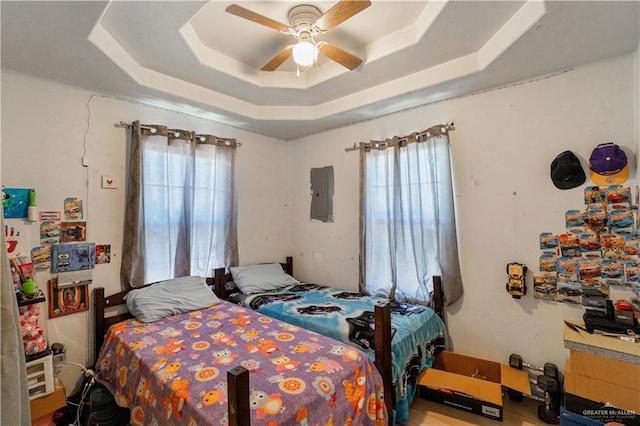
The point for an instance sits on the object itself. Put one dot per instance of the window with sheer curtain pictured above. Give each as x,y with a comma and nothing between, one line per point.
181,216
408,218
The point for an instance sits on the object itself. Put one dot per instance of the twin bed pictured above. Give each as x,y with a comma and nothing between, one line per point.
279,370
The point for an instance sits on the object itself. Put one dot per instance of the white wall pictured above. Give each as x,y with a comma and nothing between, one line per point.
504,142
502,148
43,141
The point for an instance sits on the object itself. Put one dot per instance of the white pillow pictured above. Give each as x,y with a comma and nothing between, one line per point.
170,297
258,278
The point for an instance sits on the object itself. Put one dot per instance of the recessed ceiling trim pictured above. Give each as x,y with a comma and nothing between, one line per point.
380,48
429,14
101,38
161,82
216,60
519,24
442,73
448,71
407,36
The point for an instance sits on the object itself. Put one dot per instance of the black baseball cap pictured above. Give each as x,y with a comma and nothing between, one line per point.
566,171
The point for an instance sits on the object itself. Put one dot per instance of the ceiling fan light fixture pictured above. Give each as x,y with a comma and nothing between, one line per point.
306,23
305,53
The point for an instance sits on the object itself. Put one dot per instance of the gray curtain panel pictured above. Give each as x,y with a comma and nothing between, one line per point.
14,398
181,212
408,230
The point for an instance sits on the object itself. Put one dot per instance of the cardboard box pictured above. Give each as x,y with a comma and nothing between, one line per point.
50,403
605,369
606,391
606,346
471,384
599,411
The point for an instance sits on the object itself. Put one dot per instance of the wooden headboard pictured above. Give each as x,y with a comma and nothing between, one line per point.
103,323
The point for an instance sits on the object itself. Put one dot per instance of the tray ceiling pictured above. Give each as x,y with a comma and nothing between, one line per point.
194,57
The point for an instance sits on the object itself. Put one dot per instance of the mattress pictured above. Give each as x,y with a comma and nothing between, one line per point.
173,371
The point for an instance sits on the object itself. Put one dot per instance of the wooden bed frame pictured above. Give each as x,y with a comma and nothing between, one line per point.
237,378
238,390
382,320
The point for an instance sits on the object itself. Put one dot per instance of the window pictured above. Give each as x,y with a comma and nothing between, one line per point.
408,219
185,199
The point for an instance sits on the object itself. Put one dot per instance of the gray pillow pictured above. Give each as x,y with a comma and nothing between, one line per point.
170,297
263,277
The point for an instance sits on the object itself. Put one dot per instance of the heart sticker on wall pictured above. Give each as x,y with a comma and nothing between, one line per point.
108,182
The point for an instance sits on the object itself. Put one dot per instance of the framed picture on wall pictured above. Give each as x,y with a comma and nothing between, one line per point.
68,299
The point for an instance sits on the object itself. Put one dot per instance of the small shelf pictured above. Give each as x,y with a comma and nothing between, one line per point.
24,300
33,357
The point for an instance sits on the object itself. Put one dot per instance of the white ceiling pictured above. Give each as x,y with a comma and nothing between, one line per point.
193,57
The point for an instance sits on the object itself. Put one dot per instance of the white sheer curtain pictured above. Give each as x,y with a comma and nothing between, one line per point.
408,217
182,208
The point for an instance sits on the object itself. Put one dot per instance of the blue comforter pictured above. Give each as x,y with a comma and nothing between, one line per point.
348,317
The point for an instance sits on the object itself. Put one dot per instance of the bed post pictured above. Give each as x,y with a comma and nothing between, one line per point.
219,283
438,297
238,396
382,320
289,264
98,296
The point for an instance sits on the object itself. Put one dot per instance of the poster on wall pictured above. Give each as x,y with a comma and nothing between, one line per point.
73,257
15,202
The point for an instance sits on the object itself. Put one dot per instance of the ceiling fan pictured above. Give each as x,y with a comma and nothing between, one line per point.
306,23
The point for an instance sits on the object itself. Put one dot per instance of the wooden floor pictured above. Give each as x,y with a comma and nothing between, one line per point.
424,412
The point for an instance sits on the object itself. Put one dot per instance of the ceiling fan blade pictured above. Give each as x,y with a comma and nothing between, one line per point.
278,60
341,56
340,12
240,11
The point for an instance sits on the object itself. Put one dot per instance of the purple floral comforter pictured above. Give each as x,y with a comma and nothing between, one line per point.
173,371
